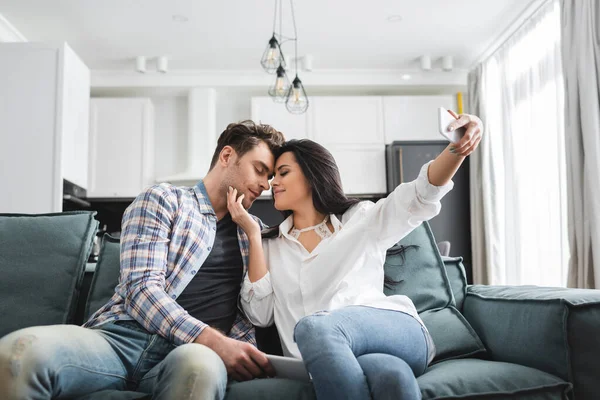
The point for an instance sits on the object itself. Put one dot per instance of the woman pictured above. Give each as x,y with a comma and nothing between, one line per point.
319,275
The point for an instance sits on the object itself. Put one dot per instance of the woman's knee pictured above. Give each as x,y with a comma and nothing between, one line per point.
387,373
313,327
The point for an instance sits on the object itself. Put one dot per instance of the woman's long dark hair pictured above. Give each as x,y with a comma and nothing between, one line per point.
323,176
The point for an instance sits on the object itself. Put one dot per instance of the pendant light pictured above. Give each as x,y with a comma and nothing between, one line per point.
281,87
293,95
296,101
272,57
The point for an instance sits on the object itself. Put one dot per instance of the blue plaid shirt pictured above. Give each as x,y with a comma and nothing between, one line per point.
167,233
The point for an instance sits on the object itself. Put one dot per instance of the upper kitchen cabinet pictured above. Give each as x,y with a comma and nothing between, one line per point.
121,147
414,117
44,106
355,120
266,111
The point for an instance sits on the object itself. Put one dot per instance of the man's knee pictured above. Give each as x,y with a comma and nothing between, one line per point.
20,353
196,360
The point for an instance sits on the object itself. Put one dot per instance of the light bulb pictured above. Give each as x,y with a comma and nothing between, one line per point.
296,95
279,86
271,54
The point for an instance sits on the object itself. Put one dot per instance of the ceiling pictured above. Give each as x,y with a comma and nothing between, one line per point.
232,34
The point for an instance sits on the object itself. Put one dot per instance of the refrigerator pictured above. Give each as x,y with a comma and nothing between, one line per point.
404,160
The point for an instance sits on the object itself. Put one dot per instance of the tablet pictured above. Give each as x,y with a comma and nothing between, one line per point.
289,367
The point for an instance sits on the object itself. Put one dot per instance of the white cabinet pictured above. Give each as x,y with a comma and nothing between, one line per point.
75,120
293,126
121,147
414,118
362,169
351,128
44,101
348,120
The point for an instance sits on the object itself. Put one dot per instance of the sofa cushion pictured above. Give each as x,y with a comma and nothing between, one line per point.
106,275
452,334
457,278
479,379
273,388
551,329
421,275
42,261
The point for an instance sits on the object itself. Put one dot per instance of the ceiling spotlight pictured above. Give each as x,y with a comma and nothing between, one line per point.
180,18
162,64
307,62
426,63
394,18
140,64
447,63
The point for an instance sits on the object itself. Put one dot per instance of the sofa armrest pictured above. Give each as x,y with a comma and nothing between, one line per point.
555,330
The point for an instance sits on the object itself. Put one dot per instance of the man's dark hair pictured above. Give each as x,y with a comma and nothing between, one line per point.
243,136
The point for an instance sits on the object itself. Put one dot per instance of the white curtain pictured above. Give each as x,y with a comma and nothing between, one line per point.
518,176
581,55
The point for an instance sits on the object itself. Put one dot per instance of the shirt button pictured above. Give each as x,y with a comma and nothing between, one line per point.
116,317
214,228
209,248
173,296
194,271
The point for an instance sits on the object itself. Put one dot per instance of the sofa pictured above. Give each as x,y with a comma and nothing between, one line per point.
493,342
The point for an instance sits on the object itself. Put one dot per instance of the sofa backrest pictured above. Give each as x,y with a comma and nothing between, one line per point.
42,262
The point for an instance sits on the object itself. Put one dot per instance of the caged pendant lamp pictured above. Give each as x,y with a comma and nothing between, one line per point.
281,87
273,60
272,57
296,100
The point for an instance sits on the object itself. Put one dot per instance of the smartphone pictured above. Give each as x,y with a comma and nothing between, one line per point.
444,119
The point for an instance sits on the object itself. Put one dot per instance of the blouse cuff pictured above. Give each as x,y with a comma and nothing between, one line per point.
259,289
426,190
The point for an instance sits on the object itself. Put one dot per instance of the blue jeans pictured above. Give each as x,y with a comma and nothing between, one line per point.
68,361
362,352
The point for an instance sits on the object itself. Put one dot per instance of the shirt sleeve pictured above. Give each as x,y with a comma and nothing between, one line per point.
257,298
411,203
144,247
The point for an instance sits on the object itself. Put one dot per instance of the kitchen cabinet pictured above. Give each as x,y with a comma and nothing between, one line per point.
44,109
362,169
352,120
408,118
121,152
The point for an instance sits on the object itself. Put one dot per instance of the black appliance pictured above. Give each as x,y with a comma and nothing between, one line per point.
404,160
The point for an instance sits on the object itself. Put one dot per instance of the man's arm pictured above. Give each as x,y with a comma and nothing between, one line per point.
144,247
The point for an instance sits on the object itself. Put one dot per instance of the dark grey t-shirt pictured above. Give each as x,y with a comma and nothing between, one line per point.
212,294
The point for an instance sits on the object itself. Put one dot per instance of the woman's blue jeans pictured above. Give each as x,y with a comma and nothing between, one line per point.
359,352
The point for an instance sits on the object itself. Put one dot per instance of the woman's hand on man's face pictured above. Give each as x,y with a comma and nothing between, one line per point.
239,215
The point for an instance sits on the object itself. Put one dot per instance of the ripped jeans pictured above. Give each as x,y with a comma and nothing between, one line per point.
68,361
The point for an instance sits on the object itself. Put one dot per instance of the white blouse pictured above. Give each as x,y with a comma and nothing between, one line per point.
344,269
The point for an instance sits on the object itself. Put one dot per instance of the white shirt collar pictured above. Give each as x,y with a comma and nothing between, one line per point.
286,225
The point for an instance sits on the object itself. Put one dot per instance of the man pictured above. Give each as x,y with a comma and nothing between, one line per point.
173,327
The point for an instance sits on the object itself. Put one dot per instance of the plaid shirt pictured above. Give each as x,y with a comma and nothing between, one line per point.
167,233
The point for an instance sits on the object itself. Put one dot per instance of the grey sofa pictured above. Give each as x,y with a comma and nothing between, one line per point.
492,342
